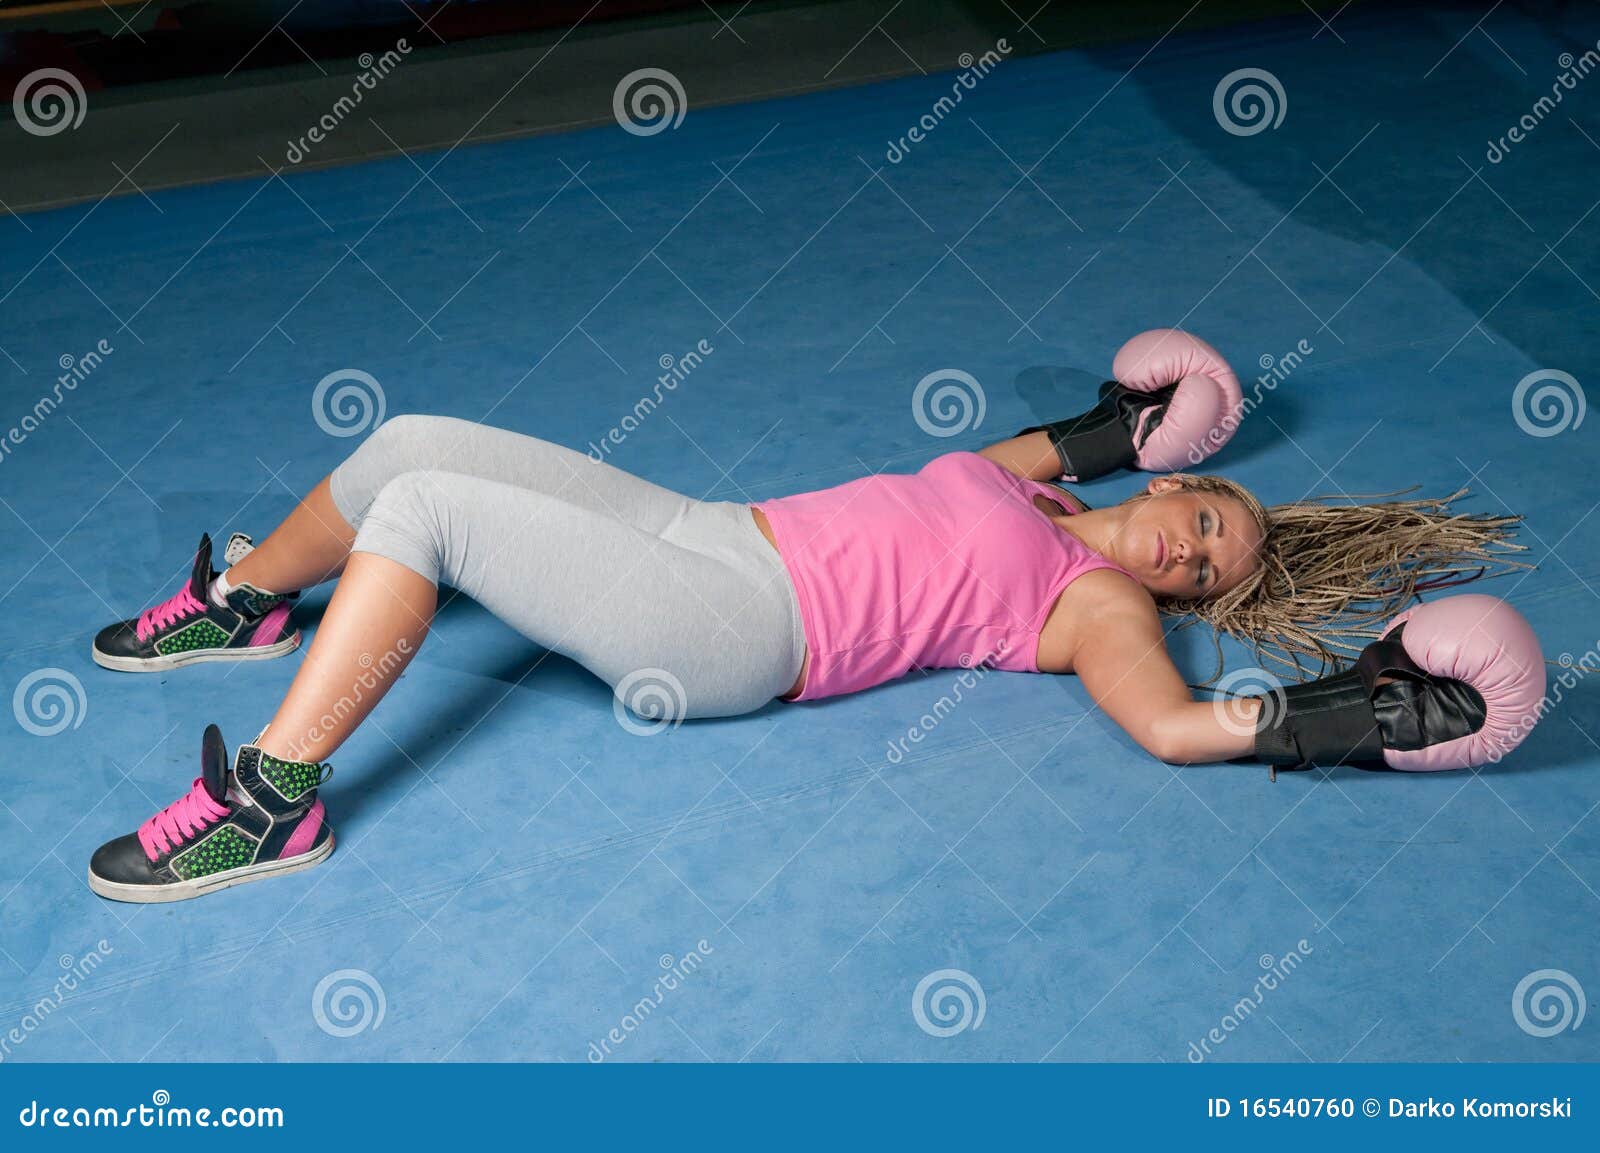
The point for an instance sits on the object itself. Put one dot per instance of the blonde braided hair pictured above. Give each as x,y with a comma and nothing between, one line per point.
1335,569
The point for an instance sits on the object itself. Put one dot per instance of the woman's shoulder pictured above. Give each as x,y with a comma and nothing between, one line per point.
1108,589
1099,599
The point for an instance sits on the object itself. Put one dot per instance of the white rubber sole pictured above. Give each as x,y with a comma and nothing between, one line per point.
161,664
200,886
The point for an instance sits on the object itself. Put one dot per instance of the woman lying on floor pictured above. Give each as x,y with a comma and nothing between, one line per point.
693,608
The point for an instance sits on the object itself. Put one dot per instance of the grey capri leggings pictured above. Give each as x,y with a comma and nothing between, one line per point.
680,605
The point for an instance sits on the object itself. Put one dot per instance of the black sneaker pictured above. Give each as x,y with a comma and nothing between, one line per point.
260,819
187,627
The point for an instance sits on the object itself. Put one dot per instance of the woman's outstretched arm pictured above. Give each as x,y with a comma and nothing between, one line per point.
1122,660
1030,455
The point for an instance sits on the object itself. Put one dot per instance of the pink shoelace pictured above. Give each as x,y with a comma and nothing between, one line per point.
180,605
179,821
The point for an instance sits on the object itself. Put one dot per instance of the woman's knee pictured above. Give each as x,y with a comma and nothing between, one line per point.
410,522
402,443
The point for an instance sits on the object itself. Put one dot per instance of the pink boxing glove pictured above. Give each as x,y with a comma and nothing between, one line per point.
1173,403
1452,684
1482,643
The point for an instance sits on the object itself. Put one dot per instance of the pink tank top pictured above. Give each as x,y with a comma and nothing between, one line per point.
951,566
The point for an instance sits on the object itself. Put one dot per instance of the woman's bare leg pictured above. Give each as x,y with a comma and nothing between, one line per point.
309,547
376,621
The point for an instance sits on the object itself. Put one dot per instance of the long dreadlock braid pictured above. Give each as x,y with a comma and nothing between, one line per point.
1334,569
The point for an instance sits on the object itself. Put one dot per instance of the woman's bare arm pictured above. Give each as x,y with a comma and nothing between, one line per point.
1122,660
1030,455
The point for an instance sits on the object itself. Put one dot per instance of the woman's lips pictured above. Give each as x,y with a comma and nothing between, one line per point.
1161,550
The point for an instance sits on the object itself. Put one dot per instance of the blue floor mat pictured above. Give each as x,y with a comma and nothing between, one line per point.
517,874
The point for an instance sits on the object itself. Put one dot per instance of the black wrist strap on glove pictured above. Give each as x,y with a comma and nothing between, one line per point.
1100,441
1349,718
1323,722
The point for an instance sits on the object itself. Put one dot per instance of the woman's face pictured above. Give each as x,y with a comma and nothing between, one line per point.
1183,543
